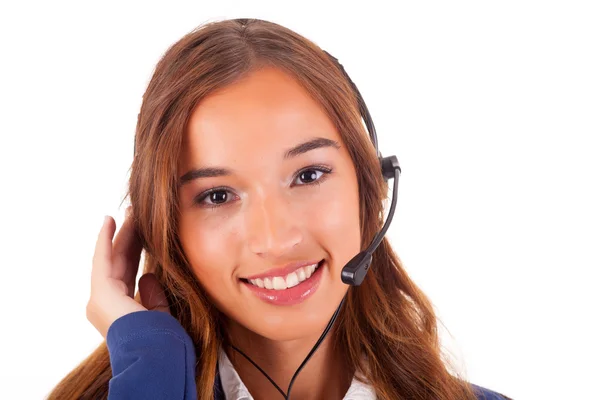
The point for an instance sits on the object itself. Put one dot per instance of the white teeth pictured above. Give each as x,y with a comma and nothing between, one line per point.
301,274
309,269
278,283
268,283
291,280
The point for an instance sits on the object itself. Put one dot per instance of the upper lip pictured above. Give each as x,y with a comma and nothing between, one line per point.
283,271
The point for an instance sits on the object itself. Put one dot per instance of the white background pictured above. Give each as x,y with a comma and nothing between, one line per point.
493,109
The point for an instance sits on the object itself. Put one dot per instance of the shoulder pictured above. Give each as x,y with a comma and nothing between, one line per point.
487,394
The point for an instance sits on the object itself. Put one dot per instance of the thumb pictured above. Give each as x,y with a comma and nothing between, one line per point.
152,293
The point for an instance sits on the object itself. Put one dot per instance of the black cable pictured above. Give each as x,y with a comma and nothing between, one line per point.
314,349
261,370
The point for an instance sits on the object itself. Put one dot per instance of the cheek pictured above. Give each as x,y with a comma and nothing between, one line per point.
210,249
336,223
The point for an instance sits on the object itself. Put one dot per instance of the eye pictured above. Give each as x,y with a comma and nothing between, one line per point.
214,197
311,175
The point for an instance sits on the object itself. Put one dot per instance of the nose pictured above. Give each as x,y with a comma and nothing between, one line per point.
272,229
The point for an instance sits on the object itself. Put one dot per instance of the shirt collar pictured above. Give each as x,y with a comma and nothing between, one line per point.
235,389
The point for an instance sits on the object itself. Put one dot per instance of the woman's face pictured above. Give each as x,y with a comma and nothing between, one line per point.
266,187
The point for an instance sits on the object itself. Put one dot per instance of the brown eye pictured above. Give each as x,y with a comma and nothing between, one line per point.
218,197
311,175
215,197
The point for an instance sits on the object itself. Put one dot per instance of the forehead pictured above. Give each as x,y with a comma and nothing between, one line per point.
266,111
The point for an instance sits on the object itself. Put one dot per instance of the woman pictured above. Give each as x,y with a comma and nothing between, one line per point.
253,184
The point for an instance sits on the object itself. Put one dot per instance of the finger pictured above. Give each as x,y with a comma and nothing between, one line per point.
152,293
101,262
127,250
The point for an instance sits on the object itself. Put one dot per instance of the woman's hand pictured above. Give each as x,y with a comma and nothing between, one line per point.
114,270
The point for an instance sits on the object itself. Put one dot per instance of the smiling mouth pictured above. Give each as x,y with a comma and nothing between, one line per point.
285,282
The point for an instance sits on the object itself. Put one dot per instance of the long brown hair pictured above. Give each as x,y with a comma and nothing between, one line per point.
387,328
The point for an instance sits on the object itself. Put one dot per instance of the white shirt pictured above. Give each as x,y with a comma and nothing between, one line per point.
235,389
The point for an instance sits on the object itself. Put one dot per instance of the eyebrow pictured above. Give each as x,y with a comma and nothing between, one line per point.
212,172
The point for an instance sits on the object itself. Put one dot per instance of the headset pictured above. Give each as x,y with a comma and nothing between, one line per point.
355,270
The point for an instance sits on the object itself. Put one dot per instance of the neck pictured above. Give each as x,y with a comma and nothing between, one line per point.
325,375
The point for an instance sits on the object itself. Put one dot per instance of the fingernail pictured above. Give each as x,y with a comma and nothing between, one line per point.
128,211
104,221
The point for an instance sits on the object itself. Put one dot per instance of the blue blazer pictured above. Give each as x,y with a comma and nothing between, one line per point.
153,357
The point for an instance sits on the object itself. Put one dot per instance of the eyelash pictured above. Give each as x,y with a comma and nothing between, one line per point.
321,168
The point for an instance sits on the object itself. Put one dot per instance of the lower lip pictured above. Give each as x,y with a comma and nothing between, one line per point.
291,296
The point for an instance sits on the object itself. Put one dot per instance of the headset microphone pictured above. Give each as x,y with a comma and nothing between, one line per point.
355,270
